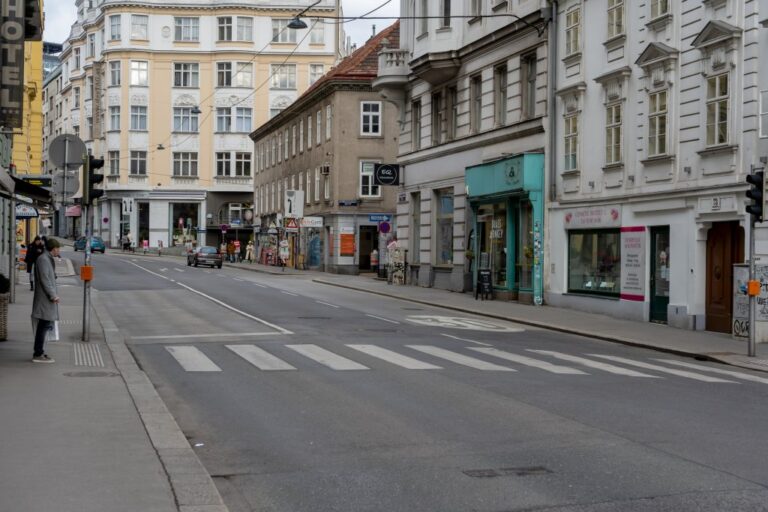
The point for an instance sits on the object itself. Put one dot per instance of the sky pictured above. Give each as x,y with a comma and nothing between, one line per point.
60,14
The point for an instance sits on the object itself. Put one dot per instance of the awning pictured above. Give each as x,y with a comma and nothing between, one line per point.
73,211
23,188
26,211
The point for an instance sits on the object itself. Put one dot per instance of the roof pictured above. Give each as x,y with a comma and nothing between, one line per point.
362,66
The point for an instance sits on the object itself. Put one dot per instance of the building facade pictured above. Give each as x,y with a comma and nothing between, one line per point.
167,93
658,122
321,151
470,82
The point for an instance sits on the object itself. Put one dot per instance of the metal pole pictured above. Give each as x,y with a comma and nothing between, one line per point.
751,350
87,284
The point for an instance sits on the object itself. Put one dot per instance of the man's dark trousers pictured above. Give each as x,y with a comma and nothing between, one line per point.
43,326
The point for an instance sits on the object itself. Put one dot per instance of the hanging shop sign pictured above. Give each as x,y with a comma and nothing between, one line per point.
386,174
12,63
25,211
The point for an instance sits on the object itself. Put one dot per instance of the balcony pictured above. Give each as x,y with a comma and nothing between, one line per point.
232,184
437,68
393,69
184,181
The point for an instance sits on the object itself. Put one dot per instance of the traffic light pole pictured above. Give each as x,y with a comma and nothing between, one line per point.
87,283
751,348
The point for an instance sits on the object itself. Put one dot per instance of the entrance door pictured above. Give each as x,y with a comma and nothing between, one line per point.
659,273
368,237
725,246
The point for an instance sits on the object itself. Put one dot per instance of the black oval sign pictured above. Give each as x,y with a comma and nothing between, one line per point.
386,174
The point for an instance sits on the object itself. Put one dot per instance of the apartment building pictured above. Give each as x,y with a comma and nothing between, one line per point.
167,93
658,118
321,151
470,82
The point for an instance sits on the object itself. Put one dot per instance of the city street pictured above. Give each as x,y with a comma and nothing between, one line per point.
299,397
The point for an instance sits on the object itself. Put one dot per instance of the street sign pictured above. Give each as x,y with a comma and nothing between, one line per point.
294,204
386,174
71,146
379,217
291,225
385,227
66,186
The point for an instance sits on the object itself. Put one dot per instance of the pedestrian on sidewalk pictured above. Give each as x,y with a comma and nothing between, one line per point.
35,249
231,251
249,251
45,304
238,252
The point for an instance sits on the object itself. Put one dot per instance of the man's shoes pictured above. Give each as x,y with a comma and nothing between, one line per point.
43,359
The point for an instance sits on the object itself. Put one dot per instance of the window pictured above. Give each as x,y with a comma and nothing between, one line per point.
242,164
115,72
659,8
309,132
416,125
76,98
139,26
114,118
224,74
138,162
223,119
615,18
223,164
657,123
281,33
367,188
244,28
186,74
445,13
286,146
328,111
308,188
437,117
114,28
244,75
571,135
529,85
415,226
317,184
77,59
91,50
613,121
279,147
315,72
114,163
225,28
500,89
475,7
423,16
293,140
452,98
572,32
317,32
184,120
283,76
326,187
370,118
89,87
243,119
594,262
138,118
187,29
301,136
476,102
185,164
764,113
319,127
139,72
717,110
444,227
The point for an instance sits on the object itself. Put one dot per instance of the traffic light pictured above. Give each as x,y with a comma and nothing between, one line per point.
92,178
757,193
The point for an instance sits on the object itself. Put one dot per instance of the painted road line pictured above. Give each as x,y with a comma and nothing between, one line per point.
327,304
207,271
259,285
383,319
618,370
289,293
217,335
220,303
192,360
465,339
460,359
662,369
327,358
163,270
178,270
737,375
260,358
528,361
236,279
394,358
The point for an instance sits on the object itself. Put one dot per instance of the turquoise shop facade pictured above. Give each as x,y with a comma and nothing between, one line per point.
507,201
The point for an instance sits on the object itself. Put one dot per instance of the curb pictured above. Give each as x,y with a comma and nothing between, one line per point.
191,484
558,328
262,271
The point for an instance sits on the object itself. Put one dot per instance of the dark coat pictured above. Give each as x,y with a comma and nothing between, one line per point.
43,307
33,252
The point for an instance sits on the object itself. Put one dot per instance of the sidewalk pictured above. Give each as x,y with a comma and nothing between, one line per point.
89,432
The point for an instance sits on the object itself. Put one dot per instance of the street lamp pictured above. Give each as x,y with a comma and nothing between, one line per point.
296,22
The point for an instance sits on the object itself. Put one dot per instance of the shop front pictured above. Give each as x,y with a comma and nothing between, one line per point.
507,202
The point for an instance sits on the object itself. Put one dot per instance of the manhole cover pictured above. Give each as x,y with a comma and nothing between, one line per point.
91,374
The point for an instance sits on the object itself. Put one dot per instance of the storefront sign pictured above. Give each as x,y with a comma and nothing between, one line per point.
293,204
633,263
386,174
311,222
346,244
593,217
12,63
25,211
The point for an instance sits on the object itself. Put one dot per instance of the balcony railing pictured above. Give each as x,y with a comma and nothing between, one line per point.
184,180
138,179
393,62
233,180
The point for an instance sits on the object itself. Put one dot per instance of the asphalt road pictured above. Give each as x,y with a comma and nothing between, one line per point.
303,397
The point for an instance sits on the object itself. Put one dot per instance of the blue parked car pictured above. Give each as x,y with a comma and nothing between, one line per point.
97,244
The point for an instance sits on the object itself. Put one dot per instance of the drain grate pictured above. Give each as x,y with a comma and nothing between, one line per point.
91,374
493,473
87,354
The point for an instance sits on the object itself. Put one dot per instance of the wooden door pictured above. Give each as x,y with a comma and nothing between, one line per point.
725,246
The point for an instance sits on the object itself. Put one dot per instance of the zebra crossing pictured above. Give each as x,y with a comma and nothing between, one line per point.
433,358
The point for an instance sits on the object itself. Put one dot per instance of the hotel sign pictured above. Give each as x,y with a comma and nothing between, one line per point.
11,63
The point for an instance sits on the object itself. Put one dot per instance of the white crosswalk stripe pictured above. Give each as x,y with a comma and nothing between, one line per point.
648,366
394,358
529,361
460,359
736,375
617,370
192,359
260,358
327,358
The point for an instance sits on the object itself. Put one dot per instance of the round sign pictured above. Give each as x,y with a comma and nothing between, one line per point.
105,220
384,227
67,147
386,174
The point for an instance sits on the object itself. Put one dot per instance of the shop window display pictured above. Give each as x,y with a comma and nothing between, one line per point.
594,262
185,222
492,221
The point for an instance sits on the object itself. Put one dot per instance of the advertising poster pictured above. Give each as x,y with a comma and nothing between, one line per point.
633,263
